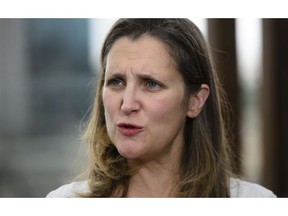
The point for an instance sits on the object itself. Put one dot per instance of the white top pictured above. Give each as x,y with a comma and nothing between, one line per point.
238,188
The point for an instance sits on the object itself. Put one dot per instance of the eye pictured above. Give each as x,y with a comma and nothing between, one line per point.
151,84
115,82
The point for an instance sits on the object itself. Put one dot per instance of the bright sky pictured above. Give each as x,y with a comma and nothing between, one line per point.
249,47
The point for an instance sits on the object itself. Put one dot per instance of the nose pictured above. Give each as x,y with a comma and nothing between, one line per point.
130,101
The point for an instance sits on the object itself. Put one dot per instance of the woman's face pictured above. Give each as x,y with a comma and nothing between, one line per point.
143,97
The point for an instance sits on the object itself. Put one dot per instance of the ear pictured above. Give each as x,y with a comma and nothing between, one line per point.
197,101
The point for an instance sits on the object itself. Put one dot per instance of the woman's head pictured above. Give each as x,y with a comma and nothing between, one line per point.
143,96
191,75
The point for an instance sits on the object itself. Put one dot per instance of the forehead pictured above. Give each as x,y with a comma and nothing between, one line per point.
145,48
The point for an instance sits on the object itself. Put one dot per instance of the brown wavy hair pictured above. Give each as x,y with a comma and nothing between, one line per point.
205,166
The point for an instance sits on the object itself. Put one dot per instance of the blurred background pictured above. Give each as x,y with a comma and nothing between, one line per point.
47,73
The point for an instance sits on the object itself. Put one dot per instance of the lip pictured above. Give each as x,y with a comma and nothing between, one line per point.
129,129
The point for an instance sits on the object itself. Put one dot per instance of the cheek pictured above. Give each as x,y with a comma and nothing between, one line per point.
167,108
109,103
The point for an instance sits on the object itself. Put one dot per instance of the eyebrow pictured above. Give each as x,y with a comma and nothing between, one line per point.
113,75
146,76
142,76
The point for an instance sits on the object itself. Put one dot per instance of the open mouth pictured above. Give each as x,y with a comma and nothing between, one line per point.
129,126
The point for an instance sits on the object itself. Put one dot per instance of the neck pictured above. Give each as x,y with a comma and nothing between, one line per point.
154,179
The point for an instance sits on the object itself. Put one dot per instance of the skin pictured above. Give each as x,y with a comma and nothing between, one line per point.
143,87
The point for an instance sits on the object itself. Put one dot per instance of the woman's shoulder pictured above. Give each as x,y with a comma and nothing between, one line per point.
240,188
72,190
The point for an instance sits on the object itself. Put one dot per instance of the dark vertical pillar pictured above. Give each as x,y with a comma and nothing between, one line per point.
275,105
223,43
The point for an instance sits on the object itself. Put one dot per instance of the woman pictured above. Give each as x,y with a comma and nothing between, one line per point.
157,126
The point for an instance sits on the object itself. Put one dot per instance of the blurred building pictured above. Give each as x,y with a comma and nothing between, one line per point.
46,86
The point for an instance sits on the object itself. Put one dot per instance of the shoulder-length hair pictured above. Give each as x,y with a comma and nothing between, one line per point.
205,165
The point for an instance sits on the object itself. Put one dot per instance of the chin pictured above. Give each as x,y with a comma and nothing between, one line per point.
129,154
